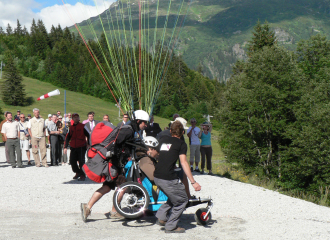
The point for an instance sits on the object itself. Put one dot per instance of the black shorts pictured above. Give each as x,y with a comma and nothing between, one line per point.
115,183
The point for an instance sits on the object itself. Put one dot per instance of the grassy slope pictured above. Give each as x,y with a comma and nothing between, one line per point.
79,103
213,27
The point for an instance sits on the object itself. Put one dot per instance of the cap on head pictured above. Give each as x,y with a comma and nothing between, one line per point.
60,116
181,120
29,115
75,114
141,115
49,115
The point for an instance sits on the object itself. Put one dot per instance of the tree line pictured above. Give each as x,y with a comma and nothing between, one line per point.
61,58
275,112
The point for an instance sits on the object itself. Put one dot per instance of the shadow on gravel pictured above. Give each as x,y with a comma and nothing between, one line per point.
5,164
205,174
187,221
75,181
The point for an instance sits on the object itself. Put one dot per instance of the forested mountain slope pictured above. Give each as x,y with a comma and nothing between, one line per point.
216,32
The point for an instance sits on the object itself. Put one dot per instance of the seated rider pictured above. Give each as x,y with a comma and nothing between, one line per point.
125,133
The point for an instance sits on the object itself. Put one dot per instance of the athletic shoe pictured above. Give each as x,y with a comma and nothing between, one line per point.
85,211
76,176
197,170
21,166
160,222
116,215
191,169
177,230
202,172
210,173
29,163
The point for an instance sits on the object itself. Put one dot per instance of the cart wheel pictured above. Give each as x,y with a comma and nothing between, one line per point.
199,216
130,200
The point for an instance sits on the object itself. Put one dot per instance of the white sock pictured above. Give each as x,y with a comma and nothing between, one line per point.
196,167
191,166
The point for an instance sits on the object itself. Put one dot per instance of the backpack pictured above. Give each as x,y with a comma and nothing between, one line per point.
99,167
101,136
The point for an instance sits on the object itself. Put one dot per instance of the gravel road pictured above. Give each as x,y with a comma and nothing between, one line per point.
44,203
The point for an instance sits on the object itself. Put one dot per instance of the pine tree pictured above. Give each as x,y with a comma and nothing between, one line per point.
1,31
12,89
18,29
67,35
9,30
262,36
42,39
25,31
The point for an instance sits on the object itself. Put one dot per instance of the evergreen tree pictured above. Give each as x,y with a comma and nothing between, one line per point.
309,151
67,35
25,31
262,36
18,30
9,30
12,89
313,54
257,110
1,31
43,42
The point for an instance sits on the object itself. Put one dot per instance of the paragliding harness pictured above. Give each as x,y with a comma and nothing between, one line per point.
104,158
133,173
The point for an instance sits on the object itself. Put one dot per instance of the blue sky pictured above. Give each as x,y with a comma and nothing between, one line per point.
51,12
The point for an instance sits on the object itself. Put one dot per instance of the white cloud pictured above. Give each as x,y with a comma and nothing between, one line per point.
64,15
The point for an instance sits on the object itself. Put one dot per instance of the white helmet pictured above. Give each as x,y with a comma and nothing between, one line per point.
141,115
181,120
150,141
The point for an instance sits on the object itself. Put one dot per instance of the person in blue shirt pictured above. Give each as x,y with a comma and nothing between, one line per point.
206,148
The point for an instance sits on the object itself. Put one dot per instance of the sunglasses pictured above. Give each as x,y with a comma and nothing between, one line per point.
22,117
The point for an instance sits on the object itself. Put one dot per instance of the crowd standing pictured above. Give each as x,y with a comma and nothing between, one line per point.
32,134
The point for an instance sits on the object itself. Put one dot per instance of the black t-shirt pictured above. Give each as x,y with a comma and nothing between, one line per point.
169,148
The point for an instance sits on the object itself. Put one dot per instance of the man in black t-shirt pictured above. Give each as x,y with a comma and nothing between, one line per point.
170,149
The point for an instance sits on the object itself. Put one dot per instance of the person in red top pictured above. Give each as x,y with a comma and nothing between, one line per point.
77,138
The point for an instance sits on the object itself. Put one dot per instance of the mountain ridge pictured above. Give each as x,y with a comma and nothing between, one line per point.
216,33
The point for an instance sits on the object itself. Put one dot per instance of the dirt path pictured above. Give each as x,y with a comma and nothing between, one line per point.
40,203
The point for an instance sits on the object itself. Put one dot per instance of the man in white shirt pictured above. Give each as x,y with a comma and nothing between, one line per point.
192,133
10,130
55,144
37,131
89,126
48,120
24,137
124,122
